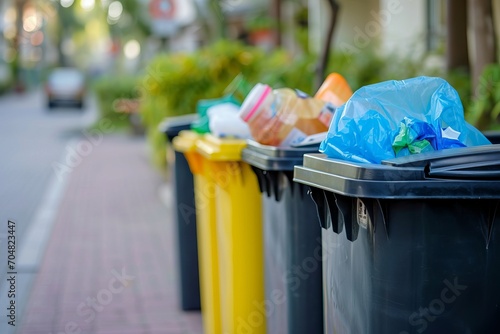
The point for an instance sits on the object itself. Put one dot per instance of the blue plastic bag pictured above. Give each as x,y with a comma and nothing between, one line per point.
368,125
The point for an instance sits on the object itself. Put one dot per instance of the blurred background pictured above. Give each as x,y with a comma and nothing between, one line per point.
117,44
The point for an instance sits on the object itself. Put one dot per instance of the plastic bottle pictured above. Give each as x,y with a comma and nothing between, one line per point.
335,90
283,117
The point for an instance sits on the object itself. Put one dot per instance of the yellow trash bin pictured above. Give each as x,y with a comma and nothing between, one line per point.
239,235
204,189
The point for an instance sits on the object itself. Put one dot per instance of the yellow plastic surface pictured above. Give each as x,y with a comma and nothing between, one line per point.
239,235
208,259
185,143
218,149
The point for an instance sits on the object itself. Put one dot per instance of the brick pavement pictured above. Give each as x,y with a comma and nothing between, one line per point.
109,266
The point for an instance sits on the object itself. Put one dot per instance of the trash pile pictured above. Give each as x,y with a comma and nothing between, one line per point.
277,117
398,118
380,121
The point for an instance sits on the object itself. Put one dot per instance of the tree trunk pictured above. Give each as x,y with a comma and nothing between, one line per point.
218,20
457,54
276,11
483,46
325,53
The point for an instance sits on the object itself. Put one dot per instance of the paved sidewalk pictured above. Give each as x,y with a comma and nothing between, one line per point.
110,264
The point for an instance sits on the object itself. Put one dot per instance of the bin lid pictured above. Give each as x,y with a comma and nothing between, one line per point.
186,141
171,126
275,158
220,149
469,172
493,136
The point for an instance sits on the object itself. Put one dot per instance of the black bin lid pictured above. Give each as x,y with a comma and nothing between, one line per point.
470,172
493,136
272,158
171,126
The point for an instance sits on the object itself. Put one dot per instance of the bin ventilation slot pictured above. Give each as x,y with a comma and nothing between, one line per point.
261,179
347,207
271,182
273,179
334,211
343,212
318,198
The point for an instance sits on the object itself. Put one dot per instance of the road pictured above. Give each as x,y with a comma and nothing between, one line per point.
33,140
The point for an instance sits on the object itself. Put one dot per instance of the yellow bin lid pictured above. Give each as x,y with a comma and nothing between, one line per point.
220,149
186,141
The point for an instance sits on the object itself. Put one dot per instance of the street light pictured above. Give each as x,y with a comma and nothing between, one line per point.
67,3
115,11
87,5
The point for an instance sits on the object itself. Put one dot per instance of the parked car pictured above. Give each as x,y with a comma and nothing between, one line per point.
65,86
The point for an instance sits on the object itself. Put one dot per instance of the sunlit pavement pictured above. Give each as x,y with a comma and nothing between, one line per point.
109,266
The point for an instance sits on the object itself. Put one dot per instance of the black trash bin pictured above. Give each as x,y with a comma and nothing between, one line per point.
411,245
185,217
292,241
493,136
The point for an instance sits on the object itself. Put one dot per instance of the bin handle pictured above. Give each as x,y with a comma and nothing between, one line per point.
478,170
476,162
346,206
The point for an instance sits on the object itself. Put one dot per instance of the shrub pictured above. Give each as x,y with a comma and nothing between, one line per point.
174,83
110,89
485,107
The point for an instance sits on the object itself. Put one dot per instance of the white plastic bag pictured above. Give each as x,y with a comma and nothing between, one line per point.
224,121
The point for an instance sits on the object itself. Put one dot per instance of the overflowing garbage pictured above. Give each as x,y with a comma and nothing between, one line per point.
283,117
380,121
277,117
398,118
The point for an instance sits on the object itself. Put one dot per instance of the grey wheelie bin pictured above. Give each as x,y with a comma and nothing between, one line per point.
411,245
185,217
292,241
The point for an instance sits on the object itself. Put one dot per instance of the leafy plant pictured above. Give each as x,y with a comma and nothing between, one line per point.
460,80
174,83
485,107
261,22
110,89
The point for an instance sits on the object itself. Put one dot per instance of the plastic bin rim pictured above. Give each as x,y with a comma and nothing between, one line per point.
175,122
275,162
280,151
220,149
383,181
186,141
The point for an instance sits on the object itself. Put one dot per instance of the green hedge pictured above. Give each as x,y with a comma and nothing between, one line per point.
108,90
485,107
174,83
